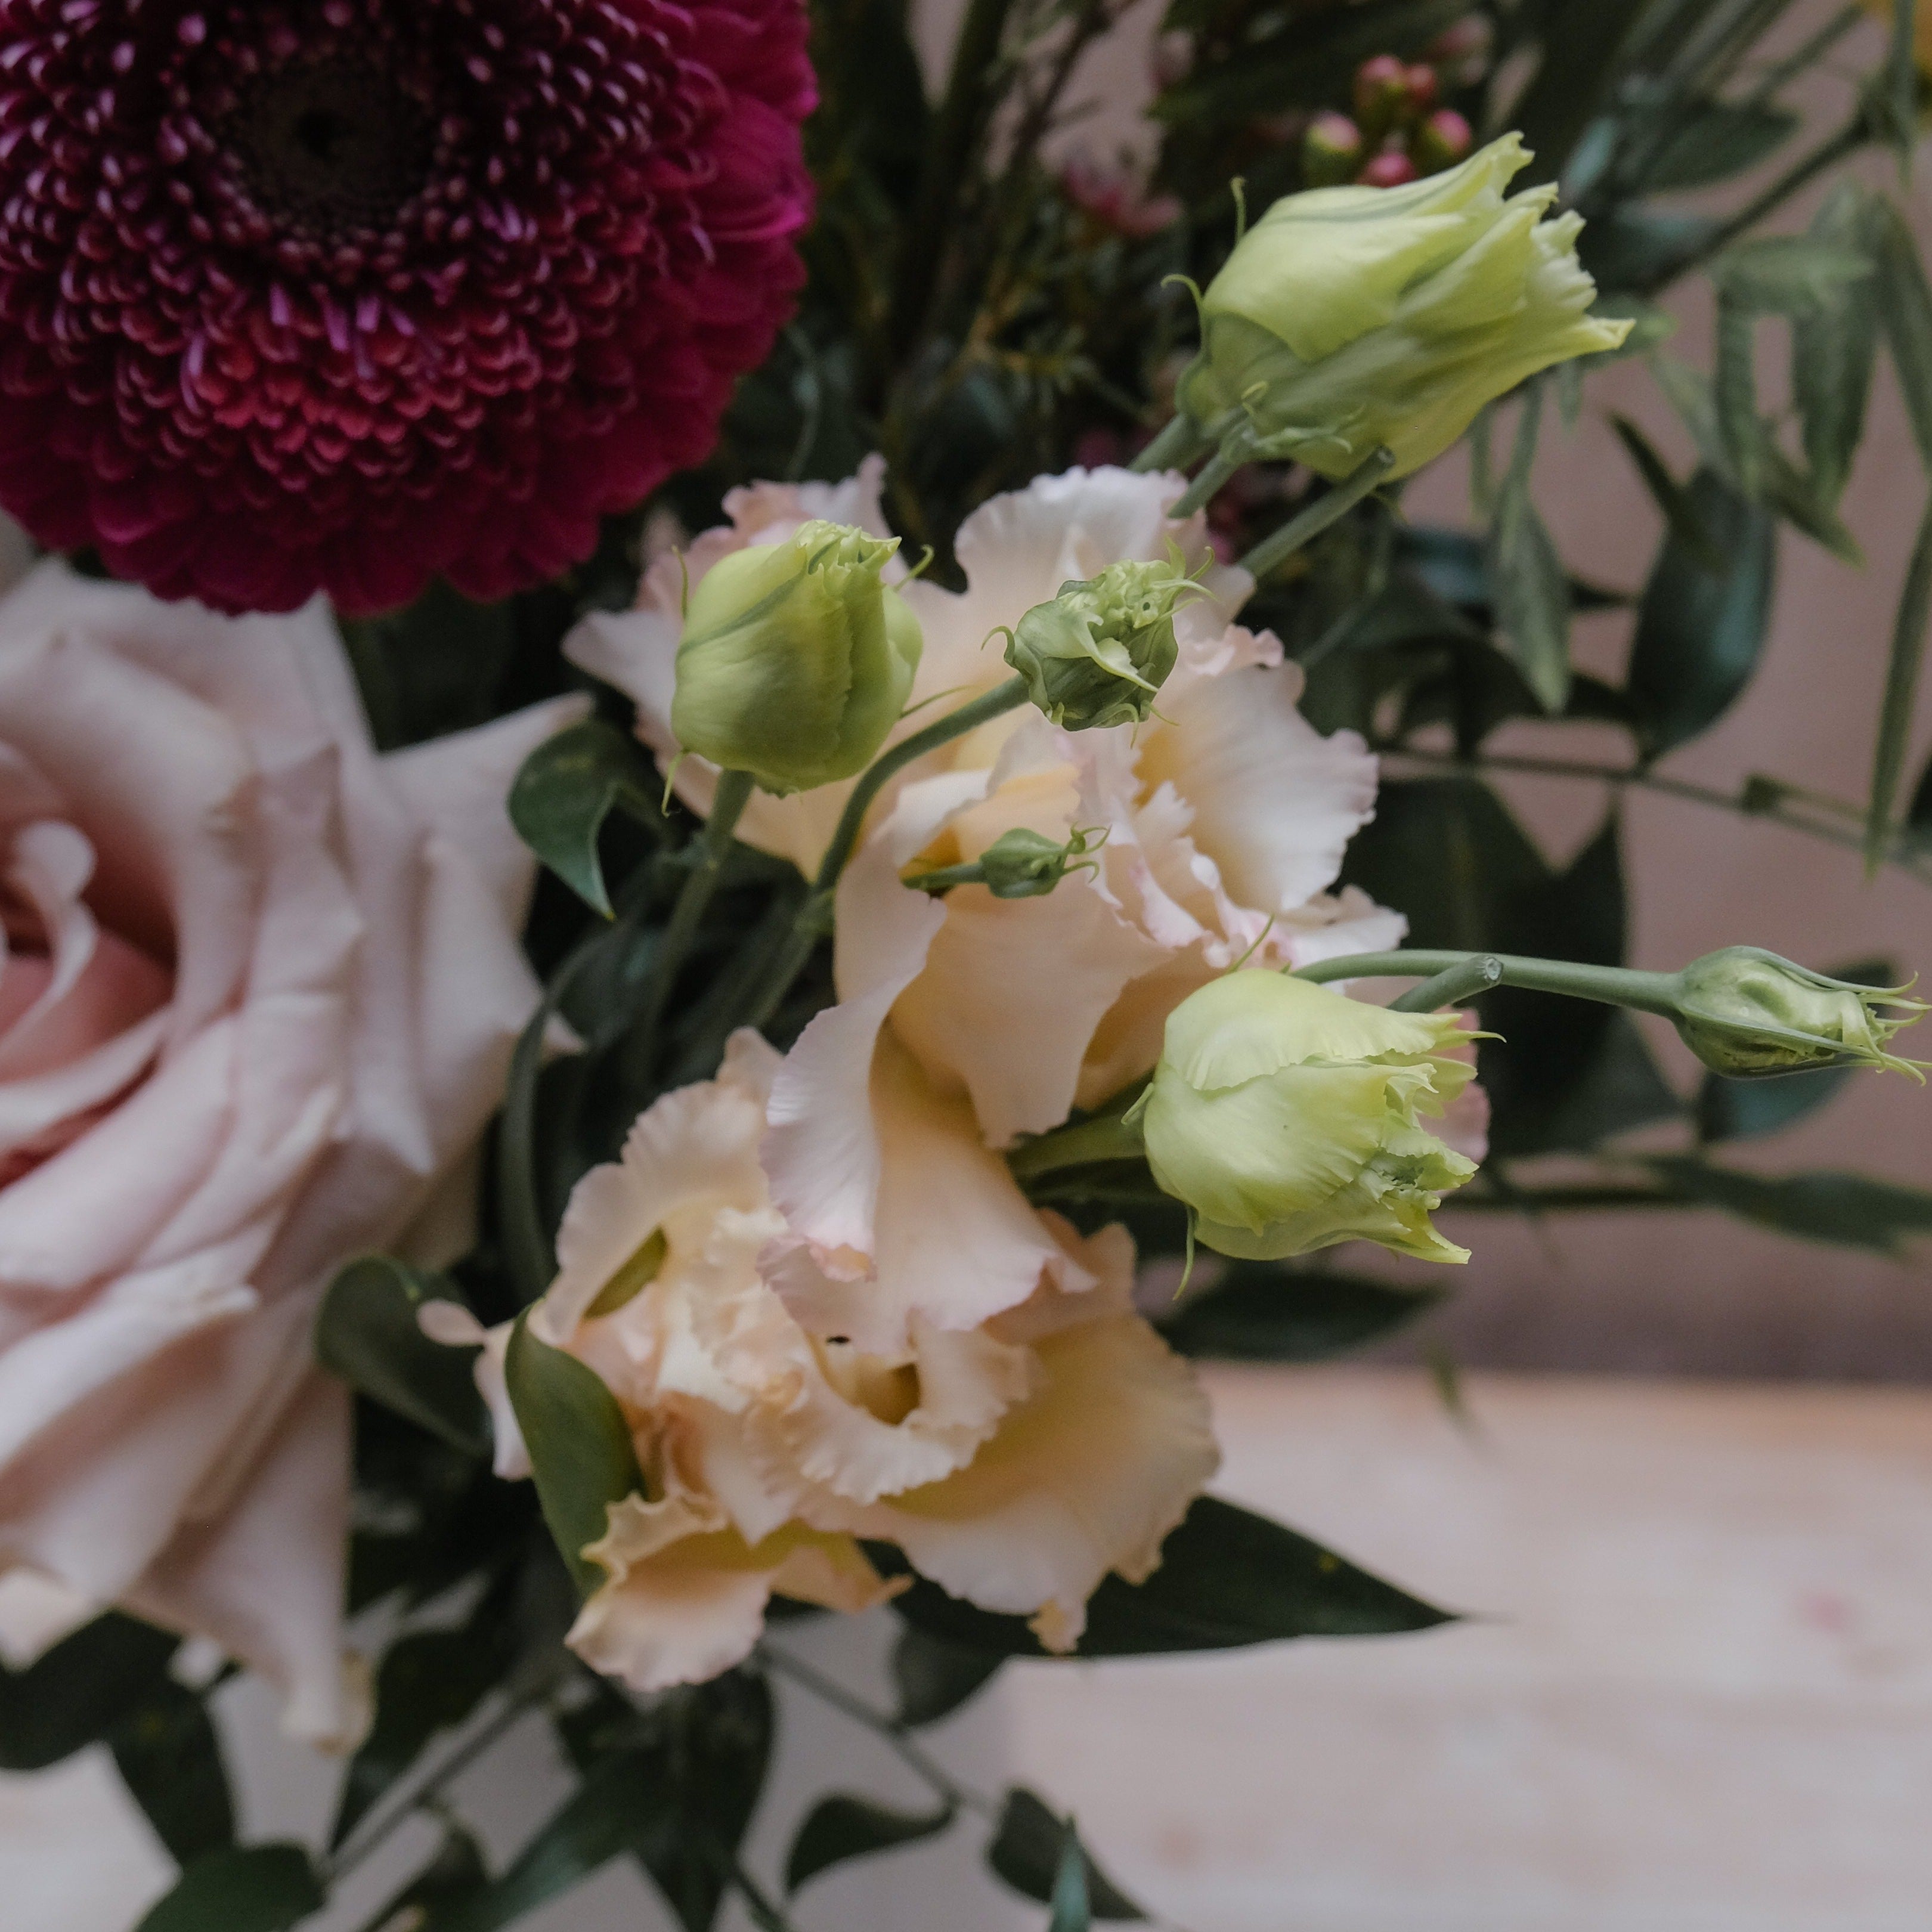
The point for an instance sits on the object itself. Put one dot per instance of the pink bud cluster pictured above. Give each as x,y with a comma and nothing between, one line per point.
1397,130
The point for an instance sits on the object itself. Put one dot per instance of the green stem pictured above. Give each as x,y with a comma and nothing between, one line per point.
1108,1138
1272,551
714,847
1177,445
947,877
1855,134
1452,986
890,1729
1219,469
1609,985
814,916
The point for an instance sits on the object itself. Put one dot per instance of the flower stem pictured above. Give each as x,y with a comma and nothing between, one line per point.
1452,986
1219,468
814,916
1274,551
1107,1138
714,845
1174,448
1610,985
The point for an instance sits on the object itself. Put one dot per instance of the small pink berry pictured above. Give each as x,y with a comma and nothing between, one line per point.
1441,141
1389,171
1331,151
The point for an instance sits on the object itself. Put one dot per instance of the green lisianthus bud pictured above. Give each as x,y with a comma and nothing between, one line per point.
1098,654
1746,1012
1021,864
1284,1117
1351,319
797,658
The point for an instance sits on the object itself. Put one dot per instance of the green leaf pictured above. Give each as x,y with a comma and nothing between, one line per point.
1671,497
437,665
1786,274
1227,1578
1072,1910
1893,100
453,1875
934,1678
1714,140
429,1680
1027,1850
1259,1312
1532,589
1580,62
842,1827
1741,431
250,1888
1849,1211
1616,1089
581,1450
367,1333
1901,690
568,786
80,1689
1634,248
1904,303
170,1760
1700,632
1834,347
699,1756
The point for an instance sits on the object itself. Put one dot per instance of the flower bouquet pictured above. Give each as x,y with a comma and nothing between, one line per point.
733,792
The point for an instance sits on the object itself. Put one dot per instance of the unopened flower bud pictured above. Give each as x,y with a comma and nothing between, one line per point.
796,659
1284,1117
1420,87
1461,53
1390,169
1351,318
1746,1012
1098,654
1331,151
1441,141
1381,89
1025,864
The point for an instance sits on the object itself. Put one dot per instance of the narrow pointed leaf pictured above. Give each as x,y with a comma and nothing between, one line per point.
840,1827
1740,430
1834,345
581,1454
1532,589
1679,508
1716,140
1027,1850
1257,1313
251,1888
1227,1578
1905,309
367,1333
1901,690
1840,1209
934,1678
80,1689
568,786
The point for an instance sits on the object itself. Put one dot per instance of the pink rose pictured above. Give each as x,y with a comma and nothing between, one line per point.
258,991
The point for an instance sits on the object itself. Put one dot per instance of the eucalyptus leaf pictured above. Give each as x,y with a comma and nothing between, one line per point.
249,1889
1785,274
568,786
1259,1312
1227,1578
1026,1851
1835,344
1532,589
935,1678
1840,1209
840,1827
79,1691
581,1454
169,1758
1700,632
1905,309
368,1334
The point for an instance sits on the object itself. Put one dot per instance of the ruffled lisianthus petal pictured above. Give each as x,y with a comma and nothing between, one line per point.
337,294
769,1439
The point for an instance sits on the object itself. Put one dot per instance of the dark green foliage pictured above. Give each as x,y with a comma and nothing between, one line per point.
935,1678
1029,1849
1841,1209
170,1760
247,1889
1260,1311
569,786
81,1691
841,1827
367,1333
1227,1578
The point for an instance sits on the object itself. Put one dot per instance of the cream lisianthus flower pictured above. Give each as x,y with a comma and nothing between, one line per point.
779,1417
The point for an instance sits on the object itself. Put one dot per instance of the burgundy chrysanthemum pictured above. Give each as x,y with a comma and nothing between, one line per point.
336,294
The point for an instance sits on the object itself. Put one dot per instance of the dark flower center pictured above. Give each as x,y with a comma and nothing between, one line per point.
333,149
